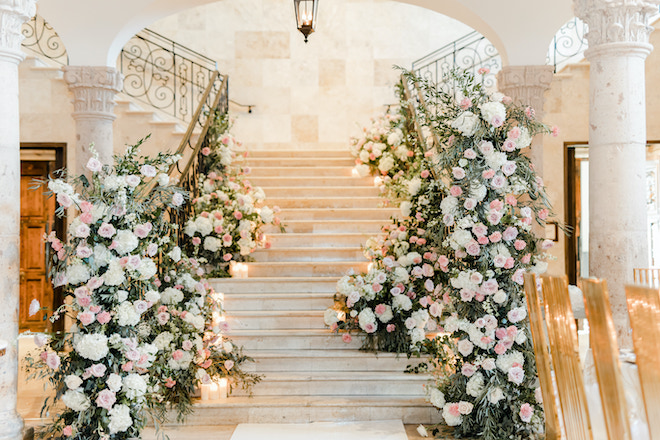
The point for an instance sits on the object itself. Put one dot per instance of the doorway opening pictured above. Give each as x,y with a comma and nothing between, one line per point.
38,161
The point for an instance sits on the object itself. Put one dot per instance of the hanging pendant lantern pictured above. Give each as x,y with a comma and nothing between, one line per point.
306,15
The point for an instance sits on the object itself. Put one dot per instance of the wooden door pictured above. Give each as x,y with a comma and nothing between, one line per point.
37,218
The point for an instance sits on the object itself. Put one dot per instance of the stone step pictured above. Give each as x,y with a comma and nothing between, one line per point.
256,284
310,154
319,161
304,268
319,191
276,319
362,213
327,226
324,202
355,383
307,409
318,240
310,181
293,339
343,171
312,254
277,301
329,360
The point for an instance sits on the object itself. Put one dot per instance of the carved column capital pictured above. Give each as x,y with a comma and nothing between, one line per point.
526,84
617,21
13,13
94,89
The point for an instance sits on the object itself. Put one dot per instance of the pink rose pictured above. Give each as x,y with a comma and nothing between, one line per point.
470,203
187,345
494,218
481,71
498,181
103,317
380,309
488,174
86,217
500,348
229,364
473,248
465,103
526,412
514,133
163,317
52,360
483,240
64,200
141,231
86,318
346,337
218,229
94,165
518,276
511,200
509,145
489,287
227,238
206,151
455,191
425,174
526,258
516,375
467,295
148,171
370,327
428,285
499,260
169,383
509,168
238,215
97,370
458,173
106,230
67,431
547,244
468,370
470,153
81,231
495,236
519,245
196,241
486,148
227,257
543,214
177,199
555,131
529,112
177,355
390,328
496,205
128,366
510,233
509,263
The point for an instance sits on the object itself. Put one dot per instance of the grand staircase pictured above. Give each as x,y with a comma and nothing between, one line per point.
310,374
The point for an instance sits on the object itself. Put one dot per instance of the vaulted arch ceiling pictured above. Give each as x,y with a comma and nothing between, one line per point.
94,31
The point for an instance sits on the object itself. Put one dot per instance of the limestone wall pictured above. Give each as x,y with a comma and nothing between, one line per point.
313,95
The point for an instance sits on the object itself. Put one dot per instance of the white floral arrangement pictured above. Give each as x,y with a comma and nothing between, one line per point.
229,213
489,200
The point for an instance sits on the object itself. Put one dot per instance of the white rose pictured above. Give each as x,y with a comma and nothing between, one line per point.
114,382
126,241
467,123
72,381
76,400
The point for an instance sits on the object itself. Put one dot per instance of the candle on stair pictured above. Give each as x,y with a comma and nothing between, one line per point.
239,270
214,393
205,389
222,388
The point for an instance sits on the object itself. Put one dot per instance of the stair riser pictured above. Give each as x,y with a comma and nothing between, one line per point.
320,162
348,387
305,413
381,214
311,269
229,285
312,191
318,240
265,365
324,202
320,254
267,342
323,227
300,172
307,181
275,322
259,304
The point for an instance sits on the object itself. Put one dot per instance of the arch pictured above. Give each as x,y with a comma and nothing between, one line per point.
94,32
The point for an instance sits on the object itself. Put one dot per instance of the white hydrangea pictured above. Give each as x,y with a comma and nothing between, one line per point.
203,225
152,296
401,302
120,419
212,244
76,400
147,269
475,386
387,315
505,361
77,273
401,275
478,191
406,208
413,185
127,315
134,386
102,255
330,317
449,205
525,139
92,346
266,214
437,398
493,112
171,296
467,123
126,241
163,340
496,160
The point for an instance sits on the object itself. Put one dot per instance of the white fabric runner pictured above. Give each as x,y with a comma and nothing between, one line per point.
379,430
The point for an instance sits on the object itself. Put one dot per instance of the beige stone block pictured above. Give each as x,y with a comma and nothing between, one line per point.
359,72
277,129
276,72
275,101
304,72
247,73
305,100
304,128
332,73
334,128
384,72
262,44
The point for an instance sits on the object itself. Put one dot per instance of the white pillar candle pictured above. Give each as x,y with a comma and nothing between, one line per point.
214,392
205,388
222,388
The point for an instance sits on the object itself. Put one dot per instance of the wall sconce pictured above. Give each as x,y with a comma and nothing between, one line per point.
306,15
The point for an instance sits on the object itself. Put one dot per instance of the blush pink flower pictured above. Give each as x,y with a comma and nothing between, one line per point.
468,369
106,230
519,245
390,328
526,412
103,317
370,327
510,233
465,103
206,151
511,200
425,174
67,431
458,173
141,231
526,258
470,203
346,337
86,318
227,257
169,383
483,240
455,190
229,364
177,355
514,133
488,174
473,248
52,360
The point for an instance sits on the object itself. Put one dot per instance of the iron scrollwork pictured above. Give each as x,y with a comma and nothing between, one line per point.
41,39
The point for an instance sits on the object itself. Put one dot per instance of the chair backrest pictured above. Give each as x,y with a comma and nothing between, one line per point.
562,334
644,311
647,276
605,350
542,354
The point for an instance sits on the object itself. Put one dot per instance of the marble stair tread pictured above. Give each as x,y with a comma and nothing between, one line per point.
300,161
311,254
327,226
275,284
274,171
319,191
307,181
235,302
324,202
292,339
323,240
361,213
305,268
311,154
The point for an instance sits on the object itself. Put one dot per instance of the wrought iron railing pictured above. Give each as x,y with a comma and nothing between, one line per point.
157,71
214,101
41,38
165,74
470,52
568,44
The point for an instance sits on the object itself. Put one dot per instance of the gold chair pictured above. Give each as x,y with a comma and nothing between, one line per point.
647,276
605,351
552,430
644,311
562,334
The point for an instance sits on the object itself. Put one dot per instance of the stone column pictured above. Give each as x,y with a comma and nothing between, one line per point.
618,46
526,85
13,13
94,89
